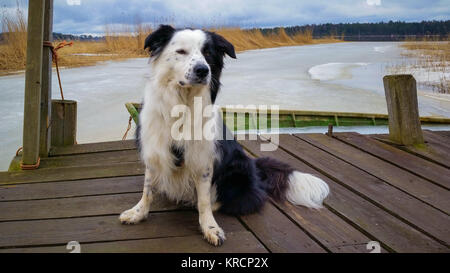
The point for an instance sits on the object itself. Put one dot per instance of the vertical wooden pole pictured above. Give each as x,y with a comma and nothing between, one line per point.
46,90
32,108
403,110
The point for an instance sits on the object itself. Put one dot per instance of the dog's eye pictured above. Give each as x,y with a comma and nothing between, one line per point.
182,51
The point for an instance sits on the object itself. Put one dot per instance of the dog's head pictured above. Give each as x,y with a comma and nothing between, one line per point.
189,57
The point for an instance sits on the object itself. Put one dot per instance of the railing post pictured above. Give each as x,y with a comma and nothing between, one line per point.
32,107
403,110
46,90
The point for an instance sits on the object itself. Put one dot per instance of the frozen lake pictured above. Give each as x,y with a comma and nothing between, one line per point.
345,77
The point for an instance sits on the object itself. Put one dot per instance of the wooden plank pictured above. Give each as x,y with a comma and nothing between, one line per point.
403,109
443,133
417,165
420,188
32,105
91,159
78,188
88,159
237,242
431,151
71,173
94,147
327,228
105,228
396,235
404,206
78,206
337,234
46,90
278,233
437,139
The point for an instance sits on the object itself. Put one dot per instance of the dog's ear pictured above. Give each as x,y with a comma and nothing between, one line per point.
224,46
158,39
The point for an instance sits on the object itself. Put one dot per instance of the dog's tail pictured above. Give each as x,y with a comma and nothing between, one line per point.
284,183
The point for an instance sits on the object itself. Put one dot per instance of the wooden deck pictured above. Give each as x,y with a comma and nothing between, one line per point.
394,195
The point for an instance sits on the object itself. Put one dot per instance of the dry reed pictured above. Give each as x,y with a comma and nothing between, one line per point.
128,42
429,57
14,40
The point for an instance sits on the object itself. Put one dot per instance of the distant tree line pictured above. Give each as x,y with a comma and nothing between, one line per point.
68,37
349,31
391,28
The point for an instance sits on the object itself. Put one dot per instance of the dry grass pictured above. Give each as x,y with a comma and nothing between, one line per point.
13,49
122,43
431,58
118,44
255,39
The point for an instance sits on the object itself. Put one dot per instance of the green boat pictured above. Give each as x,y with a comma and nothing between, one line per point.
245,119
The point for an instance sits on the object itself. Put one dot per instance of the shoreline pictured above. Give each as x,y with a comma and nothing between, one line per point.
114,57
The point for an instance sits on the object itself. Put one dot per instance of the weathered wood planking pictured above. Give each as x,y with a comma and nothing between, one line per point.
351,217
237,242
417,165
381,193
78,188
78,206
437,139
94,147
443,133
105,228
432,151
72,173
278,233
399,178
91,159
330,230
376,222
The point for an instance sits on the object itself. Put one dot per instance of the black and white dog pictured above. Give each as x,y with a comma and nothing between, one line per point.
213,174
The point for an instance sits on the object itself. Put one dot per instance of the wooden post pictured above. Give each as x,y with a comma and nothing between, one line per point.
64,122
403,110
330,130
32,107
46,90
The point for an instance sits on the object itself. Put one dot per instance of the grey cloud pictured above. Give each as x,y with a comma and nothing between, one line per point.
92,15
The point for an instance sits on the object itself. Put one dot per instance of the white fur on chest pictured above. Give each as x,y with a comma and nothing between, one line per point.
177,183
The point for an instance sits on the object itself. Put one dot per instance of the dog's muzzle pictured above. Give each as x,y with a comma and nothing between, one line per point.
201,73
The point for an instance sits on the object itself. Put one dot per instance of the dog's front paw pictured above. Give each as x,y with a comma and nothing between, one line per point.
214,235
133,216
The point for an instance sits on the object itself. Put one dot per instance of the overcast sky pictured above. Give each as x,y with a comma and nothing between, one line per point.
90,16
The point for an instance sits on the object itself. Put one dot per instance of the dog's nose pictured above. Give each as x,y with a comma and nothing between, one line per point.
201,70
